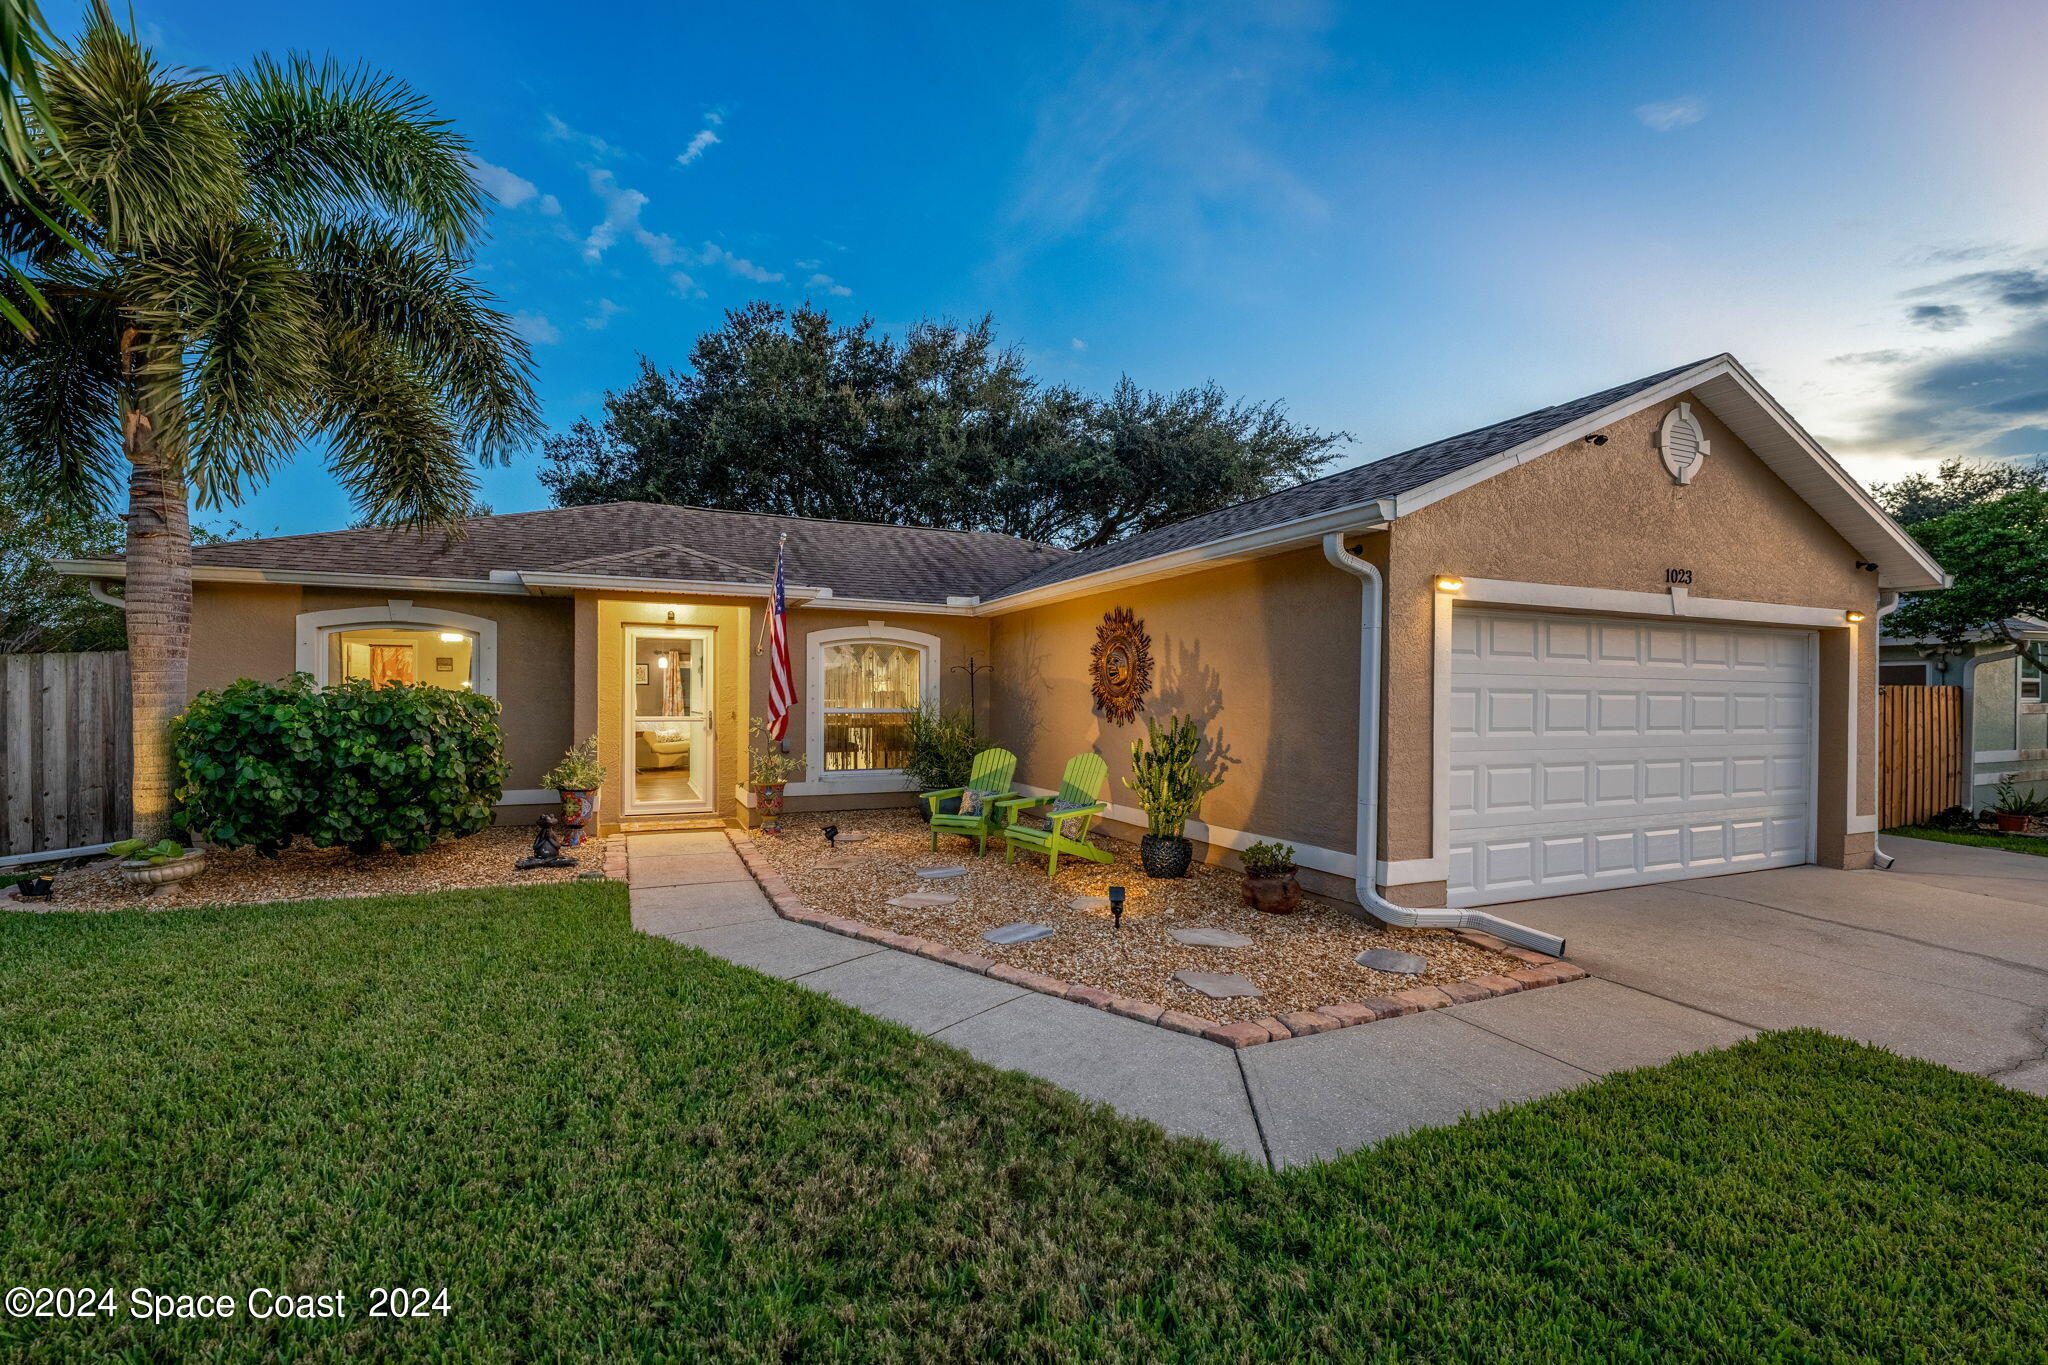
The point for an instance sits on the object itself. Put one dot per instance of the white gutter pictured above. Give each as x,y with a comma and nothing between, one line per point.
1887,603
1371,633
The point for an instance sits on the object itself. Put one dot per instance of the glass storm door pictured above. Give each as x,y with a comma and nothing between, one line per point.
669,696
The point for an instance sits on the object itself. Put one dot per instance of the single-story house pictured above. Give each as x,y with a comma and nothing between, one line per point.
1624,639
2005,716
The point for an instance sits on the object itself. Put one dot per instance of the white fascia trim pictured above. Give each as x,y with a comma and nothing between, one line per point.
693,586
882,604
1287,535
219,573
1219,836
1721,366
530,796
1628,602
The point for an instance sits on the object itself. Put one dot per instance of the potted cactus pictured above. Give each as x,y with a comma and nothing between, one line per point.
155,864
577,779
1269,882
1169,779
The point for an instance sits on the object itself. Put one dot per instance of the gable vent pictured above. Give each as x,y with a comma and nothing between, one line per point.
1683,443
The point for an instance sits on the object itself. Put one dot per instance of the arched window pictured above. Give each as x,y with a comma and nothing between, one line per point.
400,643
864,683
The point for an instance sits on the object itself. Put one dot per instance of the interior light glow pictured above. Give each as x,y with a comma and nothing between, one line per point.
451,637
1450,583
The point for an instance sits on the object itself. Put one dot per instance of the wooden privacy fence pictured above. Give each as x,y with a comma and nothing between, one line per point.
64,755
1920,752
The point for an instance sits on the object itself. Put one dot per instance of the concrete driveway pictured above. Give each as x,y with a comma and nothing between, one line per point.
1944,957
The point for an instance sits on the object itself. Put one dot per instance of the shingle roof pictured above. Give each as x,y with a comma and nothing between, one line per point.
860,559
651,540
1383,478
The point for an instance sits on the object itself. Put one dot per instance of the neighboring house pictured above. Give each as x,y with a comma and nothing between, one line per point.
1626,639
2005,716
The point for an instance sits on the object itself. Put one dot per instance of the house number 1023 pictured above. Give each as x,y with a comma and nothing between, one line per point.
1678,576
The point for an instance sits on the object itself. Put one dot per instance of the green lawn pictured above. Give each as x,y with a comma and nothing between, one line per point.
602,1143
2014,843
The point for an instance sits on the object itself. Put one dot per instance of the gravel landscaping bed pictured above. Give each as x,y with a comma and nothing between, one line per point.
1300,961
241,877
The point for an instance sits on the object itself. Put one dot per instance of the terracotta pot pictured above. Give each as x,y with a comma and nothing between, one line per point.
1277,894
768,805
2011,824
1165,855
154,877
579,810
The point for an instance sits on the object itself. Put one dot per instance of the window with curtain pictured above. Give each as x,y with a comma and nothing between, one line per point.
869,689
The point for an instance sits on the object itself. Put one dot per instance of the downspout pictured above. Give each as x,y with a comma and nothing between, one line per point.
1887,603
1371,632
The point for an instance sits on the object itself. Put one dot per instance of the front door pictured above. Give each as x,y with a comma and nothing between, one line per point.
669,697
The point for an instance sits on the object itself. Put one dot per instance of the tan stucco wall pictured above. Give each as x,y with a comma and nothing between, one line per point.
1263,654
251,631
1610,516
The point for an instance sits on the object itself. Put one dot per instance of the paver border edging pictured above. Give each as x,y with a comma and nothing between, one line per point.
1537,971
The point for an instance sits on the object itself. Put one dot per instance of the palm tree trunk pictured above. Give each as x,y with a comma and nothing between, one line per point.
159,597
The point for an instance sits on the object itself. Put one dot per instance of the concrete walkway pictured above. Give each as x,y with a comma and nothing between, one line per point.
1945,957
1284,1103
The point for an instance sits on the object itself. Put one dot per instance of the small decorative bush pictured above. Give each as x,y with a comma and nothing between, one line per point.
1267,860
768,764
1952,819
942,747
579,770
351,764
144,851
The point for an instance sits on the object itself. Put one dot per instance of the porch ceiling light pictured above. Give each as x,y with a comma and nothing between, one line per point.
1852,617
1450,583
661,661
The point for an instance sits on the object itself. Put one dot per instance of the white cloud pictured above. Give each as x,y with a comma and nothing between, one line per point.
536,328
507,188
606,310
704,139
1666,115
713,254
550,205
808,265
622,217
686,286
559,131
1078,344
828,284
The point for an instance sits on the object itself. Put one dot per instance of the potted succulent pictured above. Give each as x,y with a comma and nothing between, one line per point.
2014,808
769,768
1269,882
577,778
1169,780
153,864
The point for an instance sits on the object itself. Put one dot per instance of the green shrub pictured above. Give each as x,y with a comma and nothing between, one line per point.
942,747
1169,775
1267,860
351,764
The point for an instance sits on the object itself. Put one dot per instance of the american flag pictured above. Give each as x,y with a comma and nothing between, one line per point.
781,688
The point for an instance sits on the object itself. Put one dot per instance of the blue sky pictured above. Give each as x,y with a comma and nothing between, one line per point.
1403,224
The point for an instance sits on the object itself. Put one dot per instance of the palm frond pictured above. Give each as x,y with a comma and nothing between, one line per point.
60,408
393,443
385,282
322,140
146,148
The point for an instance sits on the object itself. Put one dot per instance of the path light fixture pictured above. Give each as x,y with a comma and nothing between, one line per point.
1450,583
1116,906
832,836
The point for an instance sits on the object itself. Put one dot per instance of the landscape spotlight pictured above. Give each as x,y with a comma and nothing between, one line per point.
1116,905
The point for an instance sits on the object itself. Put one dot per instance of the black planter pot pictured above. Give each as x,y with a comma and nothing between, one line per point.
1165,855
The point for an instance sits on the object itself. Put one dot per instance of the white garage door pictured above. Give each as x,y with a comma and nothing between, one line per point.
1588,752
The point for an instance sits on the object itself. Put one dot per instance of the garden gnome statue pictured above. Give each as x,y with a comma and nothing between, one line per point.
546,851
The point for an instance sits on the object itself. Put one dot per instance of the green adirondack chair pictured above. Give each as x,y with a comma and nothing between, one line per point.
994,771
1066,831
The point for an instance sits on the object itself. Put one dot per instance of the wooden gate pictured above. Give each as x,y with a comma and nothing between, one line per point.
64,754
1920,758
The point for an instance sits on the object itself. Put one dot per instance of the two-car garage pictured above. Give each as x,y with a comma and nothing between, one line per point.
1587,752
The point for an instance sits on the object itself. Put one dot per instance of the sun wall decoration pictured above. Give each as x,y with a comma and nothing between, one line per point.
1120,666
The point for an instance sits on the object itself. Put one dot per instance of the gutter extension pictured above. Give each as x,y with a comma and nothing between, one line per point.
1887,603
1371,631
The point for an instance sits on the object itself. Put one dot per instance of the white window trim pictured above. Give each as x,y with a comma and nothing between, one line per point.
315,626
820,782
1926,669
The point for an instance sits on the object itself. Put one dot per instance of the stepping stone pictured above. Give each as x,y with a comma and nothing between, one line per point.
1218,985
939,874
1211,938
1019,932
1088,903
1387,960
922,900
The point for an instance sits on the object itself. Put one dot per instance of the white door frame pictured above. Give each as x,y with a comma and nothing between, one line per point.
708,700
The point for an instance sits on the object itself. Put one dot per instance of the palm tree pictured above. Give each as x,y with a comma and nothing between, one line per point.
269,258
